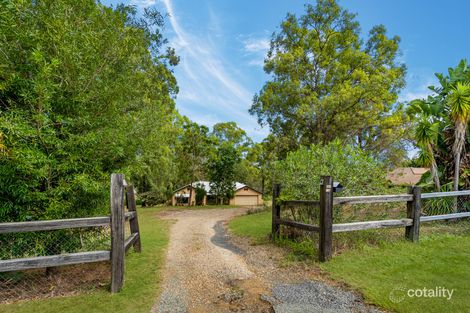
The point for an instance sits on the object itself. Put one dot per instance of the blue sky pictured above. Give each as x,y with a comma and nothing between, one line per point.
222,44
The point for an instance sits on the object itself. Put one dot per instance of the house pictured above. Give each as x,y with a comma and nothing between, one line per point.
244,195
406,175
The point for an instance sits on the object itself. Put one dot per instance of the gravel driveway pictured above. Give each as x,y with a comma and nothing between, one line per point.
206,271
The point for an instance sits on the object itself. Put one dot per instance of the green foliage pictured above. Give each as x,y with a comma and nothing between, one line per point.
200,194
355,169
441,122
195,148
85,90
326,83
222,171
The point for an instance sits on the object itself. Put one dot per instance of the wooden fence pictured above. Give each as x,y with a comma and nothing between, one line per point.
326,227
120,192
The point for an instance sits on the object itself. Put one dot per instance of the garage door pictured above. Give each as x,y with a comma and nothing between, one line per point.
246,200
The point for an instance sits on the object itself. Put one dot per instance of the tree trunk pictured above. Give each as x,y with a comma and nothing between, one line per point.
435,175
190,193
456,171
434,170
460,130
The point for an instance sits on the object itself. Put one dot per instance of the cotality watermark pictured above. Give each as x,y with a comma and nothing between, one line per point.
400,293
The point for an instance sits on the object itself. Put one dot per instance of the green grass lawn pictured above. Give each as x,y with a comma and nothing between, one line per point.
440,260
142,278
256,226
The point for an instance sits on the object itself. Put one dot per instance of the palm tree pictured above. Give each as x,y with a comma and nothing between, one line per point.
458,103
426,134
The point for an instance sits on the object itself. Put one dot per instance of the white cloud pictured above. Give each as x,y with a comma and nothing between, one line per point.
256,45
211,89
143,3
255,48
417,86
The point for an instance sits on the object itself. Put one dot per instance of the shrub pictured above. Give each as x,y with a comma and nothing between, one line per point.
357,171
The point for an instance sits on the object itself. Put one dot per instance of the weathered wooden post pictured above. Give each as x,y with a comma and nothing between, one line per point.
133,222
413,211
326,218
276,211
117,232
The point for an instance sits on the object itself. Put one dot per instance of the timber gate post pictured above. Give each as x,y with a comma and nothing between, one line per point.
326,219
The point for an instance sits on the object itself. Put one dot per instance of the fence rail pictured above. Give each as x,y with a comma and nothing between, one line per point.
326,227
121,194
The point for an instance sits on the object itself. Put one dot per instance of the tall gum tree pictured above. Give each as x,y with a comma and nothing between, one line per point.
327,83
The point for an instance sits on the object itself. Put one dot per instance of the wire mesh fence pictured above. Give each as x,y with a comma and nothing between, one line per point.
309,213
445,205
53,281
350,213
301,211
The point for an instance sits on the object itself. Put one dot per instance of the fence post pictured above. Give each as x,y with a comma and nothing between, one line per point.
276,211
413,211
134,222
117,232
326,218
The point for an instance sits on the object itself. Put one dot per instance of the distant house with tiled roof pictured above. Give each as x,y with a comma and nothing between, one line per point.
243,196
406,176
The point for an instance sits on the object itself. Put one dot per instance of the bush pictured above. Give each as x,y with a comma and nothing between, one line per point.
357,171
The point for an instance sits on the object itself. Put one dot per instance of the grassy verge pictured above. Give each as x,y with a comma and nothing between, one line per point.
385,274
255,226
379,263
142,279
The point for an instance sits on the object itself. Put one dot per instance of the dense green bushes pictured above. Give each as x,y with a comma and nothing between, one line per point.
84,91
357,171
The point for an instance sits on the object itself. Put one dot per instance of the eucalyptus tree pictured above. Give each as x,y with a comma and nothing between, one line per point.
327,83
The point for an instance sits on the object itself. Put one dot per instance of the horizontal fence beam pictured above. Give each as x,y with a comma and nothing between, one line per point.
444,217
371,225
130,241
373,199
303,226
53,260
445,194
130,215
21,227
293,202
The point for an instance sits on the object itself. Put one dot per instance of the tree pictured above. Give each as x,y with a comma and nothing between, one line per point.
441,123
222,171
85,90
426,133
230,132
194,150
326,83
354,168
459,108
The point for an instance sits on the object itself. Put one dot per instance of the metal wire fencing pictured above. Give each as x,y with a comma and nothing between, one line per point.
53,281
445,205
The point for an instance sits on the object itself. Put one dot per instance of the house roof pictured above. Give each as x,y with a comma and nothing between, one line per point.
406,175
207,186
